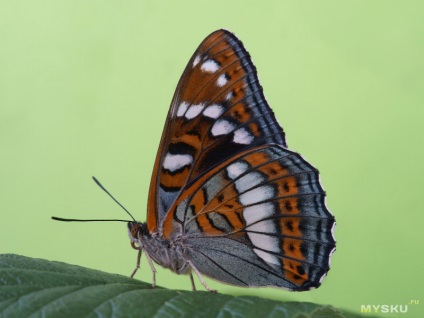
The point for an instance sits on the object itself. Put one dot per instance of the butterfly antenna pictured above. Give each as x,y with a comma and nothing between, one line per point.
80,220
98,220
108,193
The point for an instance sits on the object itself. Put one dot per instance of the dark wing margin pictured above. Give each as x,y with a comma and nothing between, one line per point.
218,111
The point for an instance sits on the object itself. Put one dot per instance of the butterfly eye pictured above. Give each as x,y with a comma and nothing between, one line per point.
134,229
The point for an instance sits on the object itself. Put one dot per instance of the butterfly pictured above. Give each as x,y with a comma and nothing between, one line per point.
228,199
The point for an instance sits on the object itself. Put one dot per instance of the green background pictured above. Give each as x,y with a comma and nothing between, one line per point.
85,87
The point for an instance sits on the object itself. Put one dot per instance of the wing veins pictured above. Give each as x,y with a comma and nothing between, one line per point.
270,200
256,186
248,261
223,269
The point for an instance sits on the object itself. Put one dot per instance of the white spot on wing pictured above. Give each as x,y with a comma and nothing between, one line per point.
210,66
265,226
322,278
175,162
332,230
213,111
196,60
236,169
194,110
248,181
182,109
333,250
263,241
269,258
255,195
258,212
331,255
242,136
222,127
222,80
229,95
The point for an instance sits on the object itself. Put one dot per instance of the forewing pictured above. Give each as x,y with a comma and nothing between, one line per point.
265,206
218,111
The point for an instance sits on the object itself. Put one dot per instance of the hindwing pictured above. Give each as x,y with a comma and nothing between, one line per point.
218,111
268,202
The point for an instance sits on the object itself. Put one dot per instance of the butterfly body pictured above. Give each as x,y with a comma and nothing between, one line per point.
168,254
227,198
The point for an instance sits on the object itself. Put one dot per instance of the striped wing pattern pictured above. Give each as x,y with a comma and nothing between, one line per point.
218,110
258,219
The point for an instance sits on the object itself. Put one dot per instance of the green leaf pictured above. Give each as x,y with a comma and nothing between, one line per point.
32,287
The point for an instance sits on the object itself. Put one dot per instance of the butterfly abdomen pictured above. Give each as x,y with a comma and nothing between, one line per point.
166,253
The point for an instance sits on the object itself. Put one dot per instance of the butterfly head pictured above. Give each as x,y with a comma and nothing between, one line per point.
136,231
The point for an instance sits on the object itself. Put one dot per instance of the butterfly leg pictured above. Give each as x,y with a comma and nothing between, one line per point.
193,286
152,267
200,277
138,263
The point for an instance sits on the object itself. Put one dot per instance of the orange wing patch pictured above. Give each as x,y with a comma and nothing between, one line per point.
290,227
174,180
240,112
273,169
287,186
254,129
225,204
225,200
291,248
294,271
190,139
206,225
257,159
288,206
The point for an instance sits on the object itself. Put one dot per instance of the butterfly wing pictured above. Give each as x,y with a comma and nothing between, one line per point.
218,111
257,219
